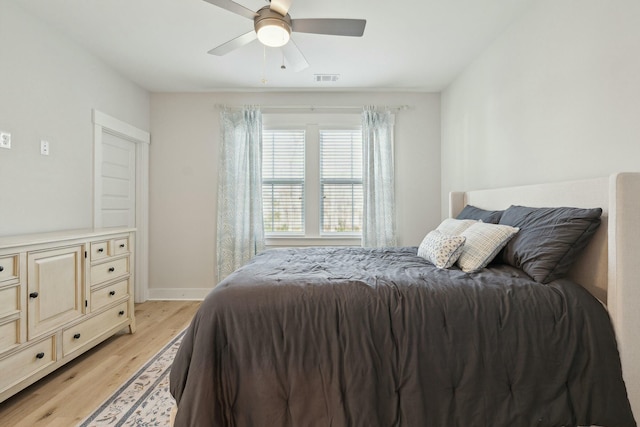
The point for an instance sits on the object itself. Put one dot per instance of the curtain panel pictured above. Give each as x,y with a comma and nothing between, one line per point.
240,229
379,225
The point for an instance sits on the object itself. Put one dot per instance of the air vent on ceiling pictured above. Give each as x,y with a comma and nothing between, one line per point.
326,78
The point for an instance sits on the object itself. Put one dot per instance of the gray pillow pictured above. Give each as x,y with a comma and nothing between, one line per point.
550,239
472,212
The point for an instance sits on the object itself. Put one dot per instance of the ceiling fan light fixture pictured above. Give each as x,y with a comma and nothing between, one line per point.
273,32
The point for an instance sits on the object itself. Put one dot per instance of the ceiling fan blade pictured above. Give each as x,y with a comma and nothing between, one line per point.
294,56
333,27
234,7
281,6
240,41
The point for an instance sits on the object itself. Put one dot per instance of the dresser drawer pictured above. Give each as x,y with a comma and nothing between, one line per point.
83,333
8,268
9,300
112,293
109,270
21,365
121,246
9,335
99,250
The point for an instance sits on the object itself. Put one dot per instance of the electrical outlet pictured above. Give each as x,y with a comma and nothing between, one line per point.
5,140
44,147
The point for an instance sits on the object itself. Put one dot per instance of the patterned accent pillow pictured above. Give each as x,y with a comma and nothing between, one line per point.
483,243
455,227
440,249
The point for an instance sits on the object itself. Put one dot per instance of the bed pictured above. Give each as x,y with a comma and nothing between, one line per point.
382,337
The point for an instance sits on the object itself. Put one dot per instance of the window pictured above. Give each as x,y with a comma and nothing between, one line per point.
283,180
312,175
341,180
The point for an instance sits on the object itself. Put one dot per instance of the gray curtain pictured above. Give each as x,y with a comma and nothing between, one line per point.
379,225
240,225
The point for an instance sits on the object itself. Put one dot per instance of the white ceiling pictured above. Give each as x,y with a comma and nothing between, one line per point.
417,45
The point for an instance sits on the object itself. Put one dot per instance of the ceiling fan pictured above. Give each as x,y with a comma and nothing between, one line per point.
273,27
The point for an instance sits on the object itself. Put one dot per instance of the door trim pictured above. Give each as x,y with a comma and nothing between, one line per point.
104,123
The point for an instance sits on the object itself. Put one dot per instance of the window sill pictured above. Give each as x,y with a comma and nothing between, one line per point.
290,241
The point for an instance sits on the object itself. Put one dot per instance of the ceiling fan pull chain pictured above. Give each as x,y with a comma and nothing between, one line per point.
264,65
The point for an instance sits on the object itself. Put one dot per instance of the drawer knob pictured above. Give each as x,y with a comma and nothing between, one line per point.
33,295
40,356
121,313
100,250
112,269
76,336
122,245
1,268
112,293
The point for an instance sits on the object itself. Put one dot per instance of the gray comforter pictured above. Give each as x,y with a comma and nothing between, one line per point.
361,337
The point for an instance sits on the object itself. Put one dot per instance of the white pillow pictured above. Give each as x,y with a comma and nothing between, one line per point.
455,227
440,249
483,243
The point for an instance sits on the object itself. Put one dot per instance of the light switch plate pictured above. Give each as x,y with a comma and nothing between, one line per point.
44,147
5,140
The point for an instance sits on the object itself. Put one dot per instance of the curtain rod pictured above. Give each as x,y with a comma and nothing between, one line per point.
315,107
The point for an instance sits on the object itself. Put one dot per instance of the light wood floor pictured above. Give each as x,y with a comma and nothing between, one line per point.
68,395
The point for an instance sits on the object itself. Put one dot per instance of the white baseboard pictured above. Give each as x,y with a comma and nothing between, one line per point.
188,294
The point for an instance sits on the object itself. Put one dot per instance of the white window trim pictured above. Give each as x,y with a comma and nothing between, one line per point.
312,123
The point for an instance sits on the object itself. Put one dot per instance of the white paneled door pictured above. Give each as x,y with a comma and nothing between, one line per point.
118,190
121,187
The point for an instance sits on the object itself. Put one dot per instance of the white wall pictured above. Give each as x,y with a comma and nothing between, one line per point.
183,176
48,87
555,97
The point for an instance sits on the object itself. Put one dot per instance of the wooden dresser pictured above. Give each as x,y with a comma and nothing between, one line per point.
61,294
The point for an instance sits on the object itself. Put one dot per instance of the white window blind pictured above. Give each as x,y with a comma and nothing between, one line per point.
283,180
341,181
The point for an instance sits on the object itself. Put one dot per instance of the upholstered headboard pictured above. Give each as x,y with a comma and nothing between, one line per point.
610,266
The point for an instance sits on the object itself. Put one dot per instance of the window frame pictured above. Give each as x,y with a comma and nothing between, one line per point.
312,123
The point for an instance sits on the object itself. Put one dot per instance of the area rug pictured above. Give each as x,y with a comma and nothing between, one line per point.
144,400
